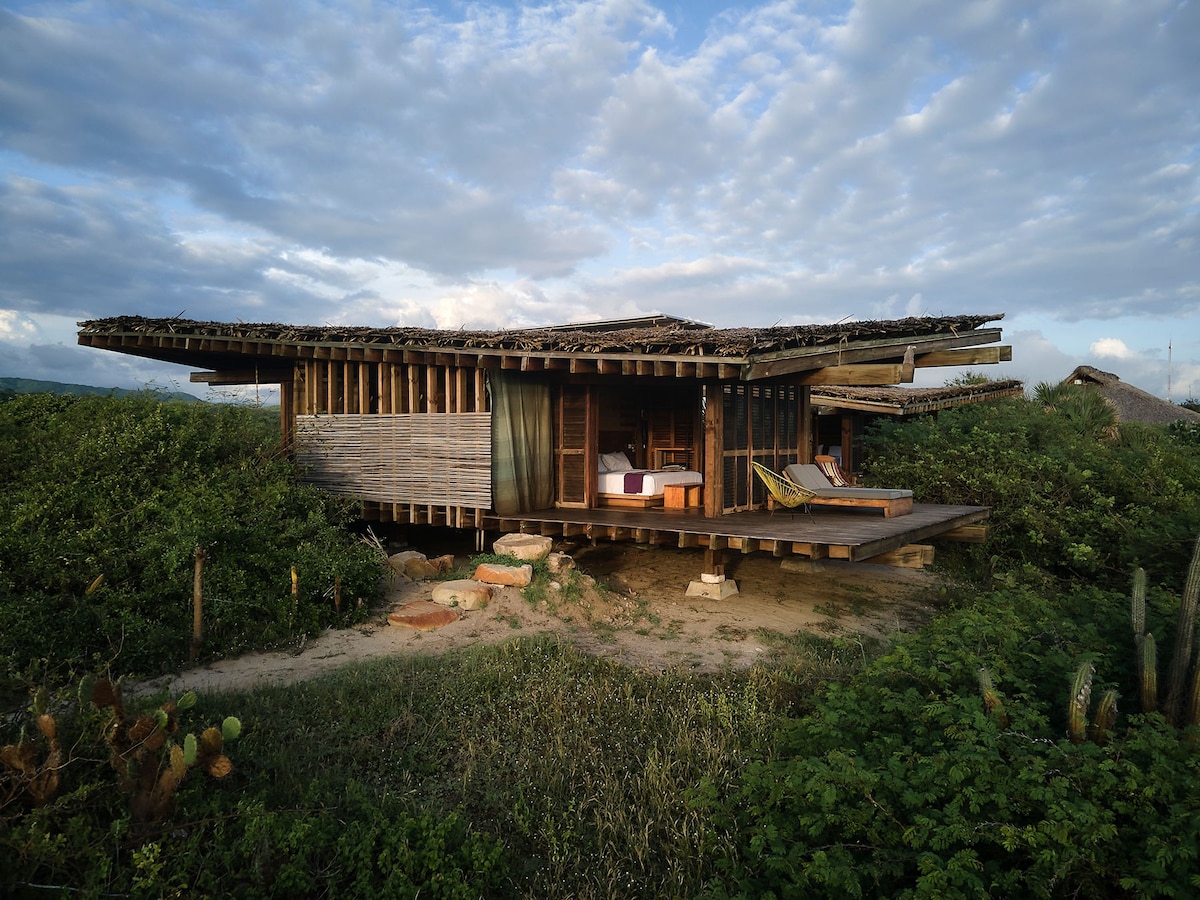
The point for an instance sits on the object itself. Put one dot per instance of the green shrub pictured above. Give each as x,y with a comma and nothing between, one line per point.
106,500
1067,499
907,782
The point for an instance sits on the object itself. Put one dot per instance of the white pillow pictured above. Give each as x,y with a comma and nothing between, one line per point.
614,462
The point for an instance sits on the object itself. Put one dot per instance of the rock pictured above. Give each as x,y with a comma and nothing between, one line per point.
558,563
421,615
463,594
529,547
494,573
421,569
397,561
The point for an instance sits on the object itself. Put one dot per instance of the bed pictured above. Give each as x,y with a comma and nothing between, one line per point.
622,485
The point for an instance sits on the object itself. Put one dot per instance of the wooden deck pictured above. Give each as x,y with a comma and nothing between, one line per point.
856,536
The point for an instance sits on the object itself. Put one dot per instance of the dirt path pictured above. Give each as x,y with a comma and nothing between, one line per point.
637,612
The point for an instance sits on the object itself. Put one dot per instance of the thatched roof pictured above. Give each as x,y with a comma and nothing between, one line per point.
1130,403
659,346
901,401
725,342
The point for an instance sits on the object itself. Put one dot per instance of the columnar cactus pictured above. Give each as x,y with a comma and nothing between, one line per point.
1178,682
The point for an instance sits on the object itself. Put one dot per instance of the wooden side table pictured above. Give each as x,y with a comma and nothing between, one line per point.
682,496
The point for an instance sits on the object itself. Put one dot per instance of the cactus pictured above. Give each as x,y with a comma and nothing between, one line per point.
1193,710
36,779
1177,683
1106,718
149,762
1137,612
1148,674
1080,700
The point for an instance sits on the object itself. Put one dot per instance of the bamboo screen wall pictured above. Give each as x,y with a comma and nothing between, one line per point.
427,458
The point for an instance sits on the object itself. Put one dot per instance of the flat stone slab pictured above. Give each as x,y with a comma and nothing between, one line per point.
463,594
529,547
422,615
515,576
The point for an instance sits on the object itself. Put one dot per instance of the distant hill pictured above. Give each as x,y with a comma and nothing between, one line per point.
33,386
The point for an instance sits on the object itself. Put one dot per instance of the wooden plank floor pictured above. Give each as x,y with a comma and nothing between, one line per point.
854,535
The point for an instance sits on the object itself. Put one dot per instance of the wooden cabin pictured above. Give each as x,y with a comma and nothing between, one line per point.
469,429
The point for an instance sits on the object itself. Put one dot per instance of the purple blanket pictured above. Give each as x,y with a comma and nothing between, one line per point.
633,482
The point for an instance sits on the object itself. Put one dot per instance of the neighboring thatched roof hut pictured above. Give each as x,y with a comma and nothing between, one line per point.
1131,404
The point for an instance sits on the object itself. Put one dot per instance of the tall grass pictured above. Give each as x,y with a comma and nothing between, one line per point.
583,768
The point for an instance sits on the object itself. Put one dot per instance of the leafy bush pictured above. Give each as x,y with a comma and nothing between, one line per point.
904,783
106,500
1067,497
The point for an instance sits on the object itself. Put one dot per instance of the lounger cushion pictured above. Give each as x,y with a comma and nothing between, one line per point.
814,479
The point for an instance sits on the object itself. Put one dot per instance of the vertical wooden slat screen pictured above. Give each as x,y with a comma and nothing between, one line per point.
442,459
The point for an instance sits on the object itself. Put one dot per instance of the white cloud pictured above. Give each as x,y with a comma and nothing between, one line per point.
477,163
1113,347
16,327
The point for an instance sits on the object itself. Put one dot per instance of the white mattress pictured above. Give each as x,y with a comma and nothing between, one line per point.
652,483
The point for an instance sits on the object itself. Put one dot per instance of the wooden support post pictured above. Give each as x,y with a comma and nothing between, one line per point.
197,603
805,439
714,562
714,457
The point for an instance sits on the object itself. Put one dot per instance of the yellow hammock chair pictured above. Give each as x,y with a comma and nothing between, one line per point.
784,491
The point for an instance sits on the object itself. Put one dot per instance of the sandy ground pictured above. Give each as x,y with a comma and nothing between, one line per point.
632,606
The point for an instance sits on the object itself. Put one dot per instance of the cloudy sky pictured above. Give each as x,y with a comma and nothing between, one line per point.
488,165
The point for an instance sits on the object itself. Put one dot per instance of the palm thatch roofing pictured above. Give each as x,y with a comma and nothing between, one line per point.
656,345
1131,404
673,339
900,401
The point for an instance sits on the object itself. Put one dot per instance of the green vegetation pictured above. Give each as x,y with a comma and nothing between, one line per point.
10,386
105,501
1072,496
1019,744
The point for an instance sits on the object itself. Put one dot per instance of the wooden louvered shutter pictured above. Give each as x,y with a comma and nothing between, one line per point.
575,446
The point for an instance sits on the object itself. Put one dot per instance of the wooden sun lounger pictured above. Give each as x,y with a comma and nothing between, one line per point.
892,502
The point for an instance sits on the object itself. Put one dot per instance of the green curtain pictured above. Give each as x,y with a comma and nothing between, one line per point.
522,445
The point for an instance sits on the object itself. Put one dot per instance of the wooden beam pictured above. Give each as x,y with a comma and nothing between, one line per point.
907,366
967,534
269,376
974,356
867,374
806,359
911,556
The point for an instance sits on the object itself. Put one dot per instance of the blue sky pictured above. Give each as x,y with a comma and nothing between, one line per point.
495,165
